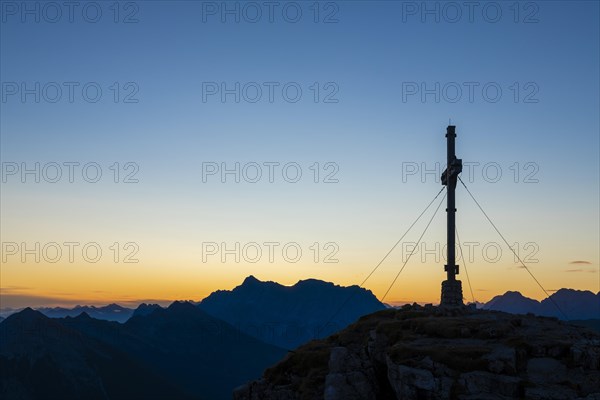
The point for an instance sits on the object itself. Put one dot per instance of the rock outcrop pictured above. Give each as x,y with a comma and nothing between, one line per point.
435,353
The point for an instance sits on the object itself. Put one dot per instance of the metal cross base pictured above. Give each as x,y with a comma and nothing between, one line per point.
452,294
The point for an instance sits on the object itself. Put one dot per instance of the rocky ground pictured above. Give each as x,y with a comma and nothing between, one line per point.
433,353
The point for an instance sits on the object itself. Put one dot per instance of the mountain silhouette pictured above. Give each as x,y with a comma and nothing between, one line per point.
110,312
514,303
41,358
145,309
575,304
288,316
205,350
200,354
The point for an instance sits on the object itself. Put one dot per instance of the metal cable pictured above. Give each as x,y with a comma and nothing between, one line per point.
514,252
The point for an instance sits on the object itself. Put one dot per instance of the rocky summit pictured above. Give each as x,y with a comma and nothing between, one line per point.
434,353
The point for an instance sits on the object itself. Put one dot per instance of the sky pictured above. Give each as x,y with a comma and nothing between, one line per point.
155,150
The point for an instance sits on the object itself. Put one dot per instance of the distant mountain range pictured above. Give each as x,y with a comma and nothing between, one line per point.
175,353
288,316
574,304
111,312
42,358
269,303
185,351
198,350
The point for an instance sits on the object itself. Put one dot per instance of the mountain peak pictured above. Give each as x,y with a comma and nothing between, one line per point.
30,312
181,305
27,316
575,292
250,280
514,294
84,316
146,309
312,282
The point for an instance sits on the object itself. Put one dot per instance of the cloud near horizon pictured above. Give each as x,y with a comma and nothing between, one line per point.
589,271
580,262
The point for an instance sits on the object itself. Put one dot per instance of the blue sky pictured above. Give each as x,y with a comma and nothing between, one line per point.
371,54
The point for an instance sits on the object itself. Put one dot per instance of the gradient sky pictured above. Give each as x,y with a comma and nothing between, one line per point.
374,132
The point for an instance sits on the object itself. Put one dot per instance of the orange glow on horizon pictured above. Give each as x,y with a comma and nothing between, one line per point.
129,285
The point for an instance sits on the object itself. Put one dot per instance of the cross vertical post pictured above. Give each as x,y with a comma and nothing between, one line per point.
451,288
451,268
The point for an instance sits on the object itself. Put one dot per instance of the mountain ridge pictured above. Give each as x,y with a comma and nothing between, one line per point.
287,316
562,304
43,358
185,352
571,301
